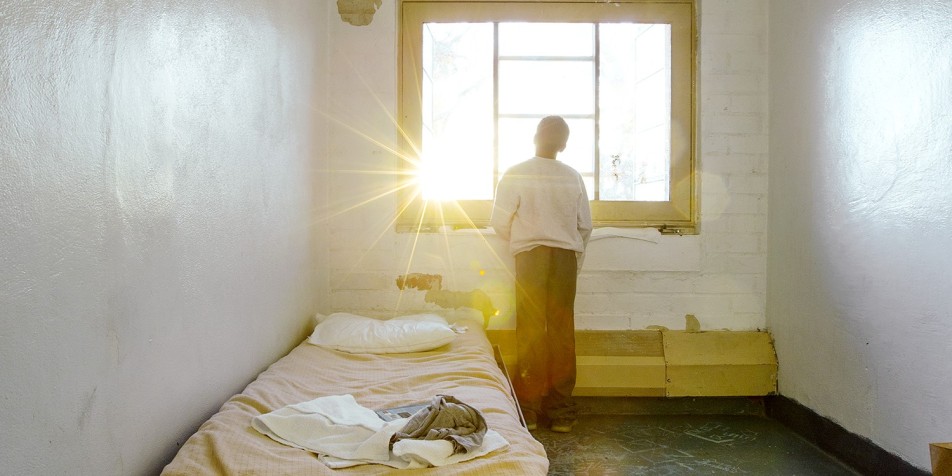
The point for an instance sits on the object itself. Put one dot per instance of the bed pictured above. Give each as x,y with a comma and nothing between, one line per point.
465,368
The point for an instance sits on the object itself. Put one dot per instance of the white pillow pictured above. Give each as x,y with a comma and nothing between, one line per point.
365,335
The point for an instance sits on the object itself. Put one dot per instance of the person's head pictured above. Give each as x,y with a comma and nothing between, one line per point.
551,136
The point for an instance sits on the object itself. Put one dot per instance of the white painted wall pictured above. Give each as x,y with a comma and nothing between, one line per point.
157,241
719,275
860,290
160,246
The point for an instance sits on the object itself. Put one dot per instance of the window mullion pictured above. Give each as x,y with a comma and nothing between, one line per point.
597,167
495,106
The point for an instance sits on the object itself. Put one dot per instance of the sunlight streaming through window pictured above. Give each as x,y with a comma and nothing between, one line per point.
611,81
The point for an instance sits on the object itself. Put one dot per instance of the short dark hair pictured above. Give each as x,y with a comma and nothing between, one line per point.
552,131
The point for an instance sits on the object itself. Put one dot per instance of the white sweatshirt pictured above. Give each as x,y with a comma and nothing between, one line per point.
542,202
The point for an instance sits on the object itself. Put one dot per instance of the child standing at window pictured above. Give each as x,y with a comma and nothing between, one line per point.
542,210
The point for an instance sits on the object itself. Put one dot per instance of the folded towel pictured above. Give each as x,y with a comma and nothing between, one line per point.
334,425
440,452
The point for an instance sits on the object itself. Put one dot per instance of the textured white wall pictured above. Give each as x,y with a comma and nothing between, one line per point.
157,246
860,294
719,275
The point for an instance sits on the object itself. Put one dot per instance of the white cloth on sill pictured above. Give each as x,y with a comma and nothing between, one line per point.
651,235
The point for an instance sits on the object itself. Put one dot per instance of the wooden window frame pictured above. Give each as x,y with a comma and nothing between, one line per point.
678,215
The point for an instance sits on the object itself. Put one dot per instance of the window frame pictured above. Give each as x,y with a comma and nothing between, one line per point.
678,215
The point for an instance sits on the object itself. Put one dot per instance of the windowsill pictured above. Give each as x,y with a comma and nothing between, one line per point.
641,232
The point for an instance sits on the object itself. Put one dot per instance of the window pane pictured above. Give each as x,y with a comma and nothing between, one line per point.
635,112
546,39
515,141
580,150
457,148
546,87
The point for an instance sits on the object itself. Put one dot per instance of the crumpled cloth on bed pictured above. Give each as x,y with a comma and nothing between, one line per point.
446,418
343,433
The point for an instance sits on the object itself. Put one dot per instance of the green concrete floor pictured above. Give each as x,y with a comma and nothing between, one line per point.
683,444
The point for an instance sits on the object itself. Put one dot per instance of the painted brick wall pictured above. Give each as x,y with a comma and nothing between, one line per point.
718,275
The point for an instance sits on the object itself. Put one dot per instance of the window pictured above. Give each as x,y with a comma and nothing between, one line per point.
476,77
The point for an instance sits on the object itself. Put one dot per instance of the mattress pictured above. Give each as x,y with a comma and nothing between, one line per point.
465,369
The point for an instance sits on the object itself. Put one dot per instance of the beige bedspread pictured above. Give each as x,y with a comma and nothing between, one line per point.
227,444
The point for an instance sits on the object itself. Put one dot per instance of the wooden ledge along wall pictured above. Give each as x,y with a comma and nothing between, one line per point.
666,363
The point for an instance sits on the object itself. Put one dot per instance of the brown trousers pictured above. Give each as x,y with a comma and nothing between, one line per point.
546,281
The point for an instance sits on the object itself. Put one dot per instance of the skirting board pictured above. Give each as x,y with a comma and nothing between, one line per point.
850,448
